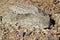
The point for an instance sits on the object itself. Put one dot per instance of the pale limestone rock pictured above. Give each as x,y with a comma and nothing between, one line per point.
26,16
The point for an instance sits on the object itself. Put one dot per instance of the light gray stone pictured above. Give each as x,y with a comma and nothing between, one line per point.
26,16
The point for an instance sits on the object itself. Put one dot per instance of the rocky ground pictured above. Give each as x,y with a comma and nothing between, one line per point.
29,19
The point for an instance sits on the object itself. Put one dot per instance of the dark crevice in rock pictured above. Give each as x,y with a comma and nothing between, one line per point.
59,38
52,22
30,33
37,39
24,34
0,18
